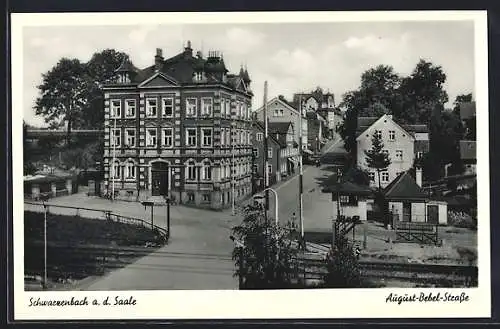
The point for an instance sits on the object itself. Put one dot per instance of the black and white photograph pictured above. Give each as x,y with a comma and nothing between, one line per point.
312,159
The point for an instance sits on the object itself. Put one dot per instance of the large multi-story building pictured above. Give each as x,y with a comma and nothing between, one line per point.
180,127
403,143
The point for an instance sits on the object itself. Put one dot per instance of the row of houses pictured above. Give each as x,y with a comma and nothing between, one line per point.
184,127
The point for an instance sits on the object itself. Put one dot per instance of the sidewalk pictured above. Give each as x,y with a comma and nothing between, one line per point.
198,255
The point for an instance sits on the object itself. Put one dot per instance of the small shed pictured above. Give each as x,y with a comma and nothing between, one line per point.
409,203
349,199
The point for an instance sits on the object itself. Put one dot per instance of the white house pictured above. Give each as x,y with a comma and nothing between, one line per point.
403,143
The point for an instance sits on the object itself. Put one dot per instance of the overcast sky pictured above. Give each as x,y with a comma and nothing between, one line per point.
292,57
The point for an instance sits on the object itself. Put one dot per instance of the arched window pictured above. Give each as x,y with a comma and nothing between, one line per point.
206,170
191,171
116,170
130,171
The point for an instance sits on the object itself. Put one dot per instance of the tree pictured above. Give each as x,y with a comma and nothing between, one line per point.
462,98
267,259
100,69
421,92
376,158
63,94
376,95
342,266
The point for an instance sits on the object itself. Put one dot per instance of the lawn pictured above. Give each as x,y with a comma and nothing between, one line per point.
81,247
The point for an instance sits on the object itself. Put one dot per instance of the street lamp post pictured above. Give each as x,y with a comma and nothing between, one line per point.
275,203
44,244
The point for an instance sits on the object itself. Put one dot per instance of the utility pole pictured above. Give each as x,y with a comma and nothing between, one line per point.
301,213
266,152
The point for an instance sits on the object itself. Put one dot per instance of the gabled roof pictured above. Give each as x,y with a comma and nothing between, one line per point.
277,99
361,130
467,110
415,128
260,126
468,150
404,187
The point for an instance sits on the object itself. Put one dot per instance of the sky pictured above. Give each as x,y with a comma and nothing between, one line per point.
292,57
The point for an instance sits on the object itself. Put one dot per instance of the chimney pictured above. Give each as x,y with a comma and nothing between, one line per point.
418,176
158,59
390,116
199,54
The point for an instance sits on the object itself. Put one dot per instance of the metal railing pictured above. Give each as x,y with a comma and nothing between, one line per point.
91,213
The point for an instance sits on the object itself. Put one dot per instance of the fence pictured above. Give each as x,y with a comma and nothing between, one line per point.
417,232
103,214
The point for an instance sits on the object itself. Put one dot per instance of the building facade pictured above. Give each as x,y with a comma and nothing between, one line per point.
279,110
180,128
283,153
403,143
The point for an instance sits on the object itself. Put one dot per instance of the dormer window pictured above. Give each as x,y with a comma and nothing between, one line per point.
198,76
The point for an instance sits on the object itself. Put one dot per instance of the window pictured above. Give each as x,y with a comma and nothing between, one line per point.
399,155
269,168
191,107
116,108
350,200
392,135
190,196
281,113
378,133
372,176
198,76
130,108
420,154
151,137
116,170
206,197
167,107
130,137
228,108
249,137
130,170
191,137
276,113
206,135
222,136
151,107
116,139
270,153
206,106
385,176
259,137
228,136
168,137
206,171
243,137
228,171
191,171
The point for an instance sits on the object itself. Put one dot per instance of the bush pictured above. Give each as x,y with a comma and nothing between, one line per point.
342,266
461,220
267,259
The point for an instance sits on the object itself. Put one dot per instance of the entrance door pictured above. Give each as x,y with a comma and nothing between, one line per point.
406,212
159,178
432,214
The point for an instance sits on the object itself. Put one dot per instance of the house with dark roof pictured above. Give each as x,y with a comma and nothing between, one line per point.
409,203
468,156
403,143
180,128
280,110
283,153
350,193
322,103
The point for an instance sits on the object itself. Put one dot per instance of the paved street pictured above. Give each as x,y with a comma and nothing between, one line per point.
198,255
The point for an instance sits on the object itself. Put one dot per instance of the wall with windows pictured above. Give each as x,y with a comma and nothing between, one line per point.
398,143
350,206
